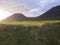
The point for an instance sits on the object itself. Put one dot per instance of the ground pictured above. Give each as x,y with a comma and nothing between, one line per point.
30,33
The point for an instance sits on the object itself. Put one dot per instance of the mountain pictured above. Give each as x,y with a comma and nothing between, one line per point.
16,17
19,17
52,14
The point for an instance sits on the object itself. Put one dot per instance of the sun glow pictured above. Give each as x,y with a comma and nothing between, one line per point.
3,14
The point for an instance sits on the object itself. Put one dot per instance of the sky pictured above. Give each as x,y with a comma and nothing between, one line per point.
30,8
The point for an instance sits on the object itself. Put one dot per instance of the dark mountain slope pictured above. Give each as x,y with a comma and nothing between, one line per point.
53,14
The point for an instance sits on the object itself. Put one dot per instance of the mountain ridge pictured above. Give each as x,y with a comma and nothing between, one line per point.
52,14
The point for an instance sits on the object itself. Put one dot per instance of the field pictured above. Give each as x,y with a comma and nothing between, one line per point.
30,33
31,23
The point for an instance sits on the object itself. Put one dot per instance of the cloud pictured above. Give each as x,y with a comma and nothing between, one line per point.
45,3
32,10
36,12
44,6
29,7
13,6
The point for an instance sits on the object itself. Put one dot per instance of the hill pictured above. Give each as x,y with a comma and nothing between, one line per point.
16,17
52,14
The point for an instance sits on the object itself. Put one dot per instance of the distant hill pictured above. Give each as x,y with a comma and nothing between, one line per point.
19,17
16,17
51,14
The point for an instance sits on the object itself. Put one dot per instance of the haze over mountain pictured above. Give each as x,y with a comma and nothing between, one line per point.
52,14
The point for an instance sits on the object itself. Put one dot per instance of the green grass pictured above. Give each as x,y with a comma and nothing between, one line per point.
30,33
31,23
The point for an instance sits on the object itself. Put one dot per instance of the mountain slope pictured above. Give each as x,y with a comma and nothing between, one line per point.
16,17
19,17
53,13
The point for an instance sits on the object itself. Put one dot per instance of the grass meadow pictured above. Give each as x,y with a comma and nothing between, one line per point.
30,33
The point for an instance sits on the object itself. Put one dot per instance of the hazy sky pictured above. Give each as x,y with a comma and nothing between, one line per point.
30,8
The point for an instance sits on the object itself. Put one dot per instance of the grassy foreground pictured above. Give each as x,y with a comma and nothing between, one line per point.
30,33
30,23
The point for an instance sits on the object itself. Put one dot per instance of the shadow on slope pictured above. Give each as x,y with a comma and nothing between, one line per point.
48,34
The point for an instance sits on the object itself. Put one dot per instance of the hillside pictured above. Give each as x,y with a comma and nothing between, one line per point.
53,14
16,17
